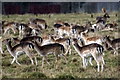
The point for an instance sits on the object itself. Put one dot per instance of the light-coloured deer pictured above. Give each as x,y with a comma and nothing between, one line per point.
92,50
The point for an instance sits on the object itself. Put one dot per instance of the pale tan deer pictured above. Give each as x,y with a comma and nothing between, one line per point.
88,51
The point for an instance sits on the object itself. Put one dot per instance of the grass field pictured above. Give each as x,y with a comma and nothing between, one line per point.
70,70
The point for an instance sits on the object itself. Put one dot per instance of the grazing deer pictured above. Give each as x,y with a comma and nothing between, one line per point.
55,48
8,26
39,22
114,44
18,49
92,50
65,42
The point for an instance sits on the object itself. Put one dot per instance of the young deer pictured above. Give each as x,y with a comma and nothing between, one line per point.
92,50
55,48
114,44
19,48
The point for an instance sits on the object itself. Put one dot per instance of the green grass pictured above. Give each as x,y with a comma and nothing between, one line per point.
61,70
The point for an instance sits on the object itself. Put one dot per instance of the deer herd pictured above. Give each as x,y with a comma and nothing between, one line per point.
66,35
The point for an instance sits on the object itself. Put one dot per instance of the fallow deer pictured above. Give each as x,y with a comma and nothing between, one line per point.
18,49
92,50
55,48
65,42
114,44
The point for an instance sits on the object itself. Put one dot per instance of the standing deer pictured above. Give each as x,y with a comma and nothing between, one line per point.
92,50
18,49
55,48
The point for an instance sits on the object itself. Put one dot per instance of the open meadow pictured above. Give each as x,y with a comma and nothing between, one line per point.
73,68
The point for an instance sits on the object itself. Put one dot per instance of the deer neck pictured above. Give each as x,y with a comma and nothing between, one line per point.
77,48
84,38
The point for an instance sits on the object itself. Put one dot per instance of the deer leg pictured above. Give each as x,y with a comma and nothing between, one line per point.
5,31
1,50
115,51
86,61
102,64
47,60
13,60
64,58
13,30
90,61
43,61
83,62
17,60
98,65
36,61
30,56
